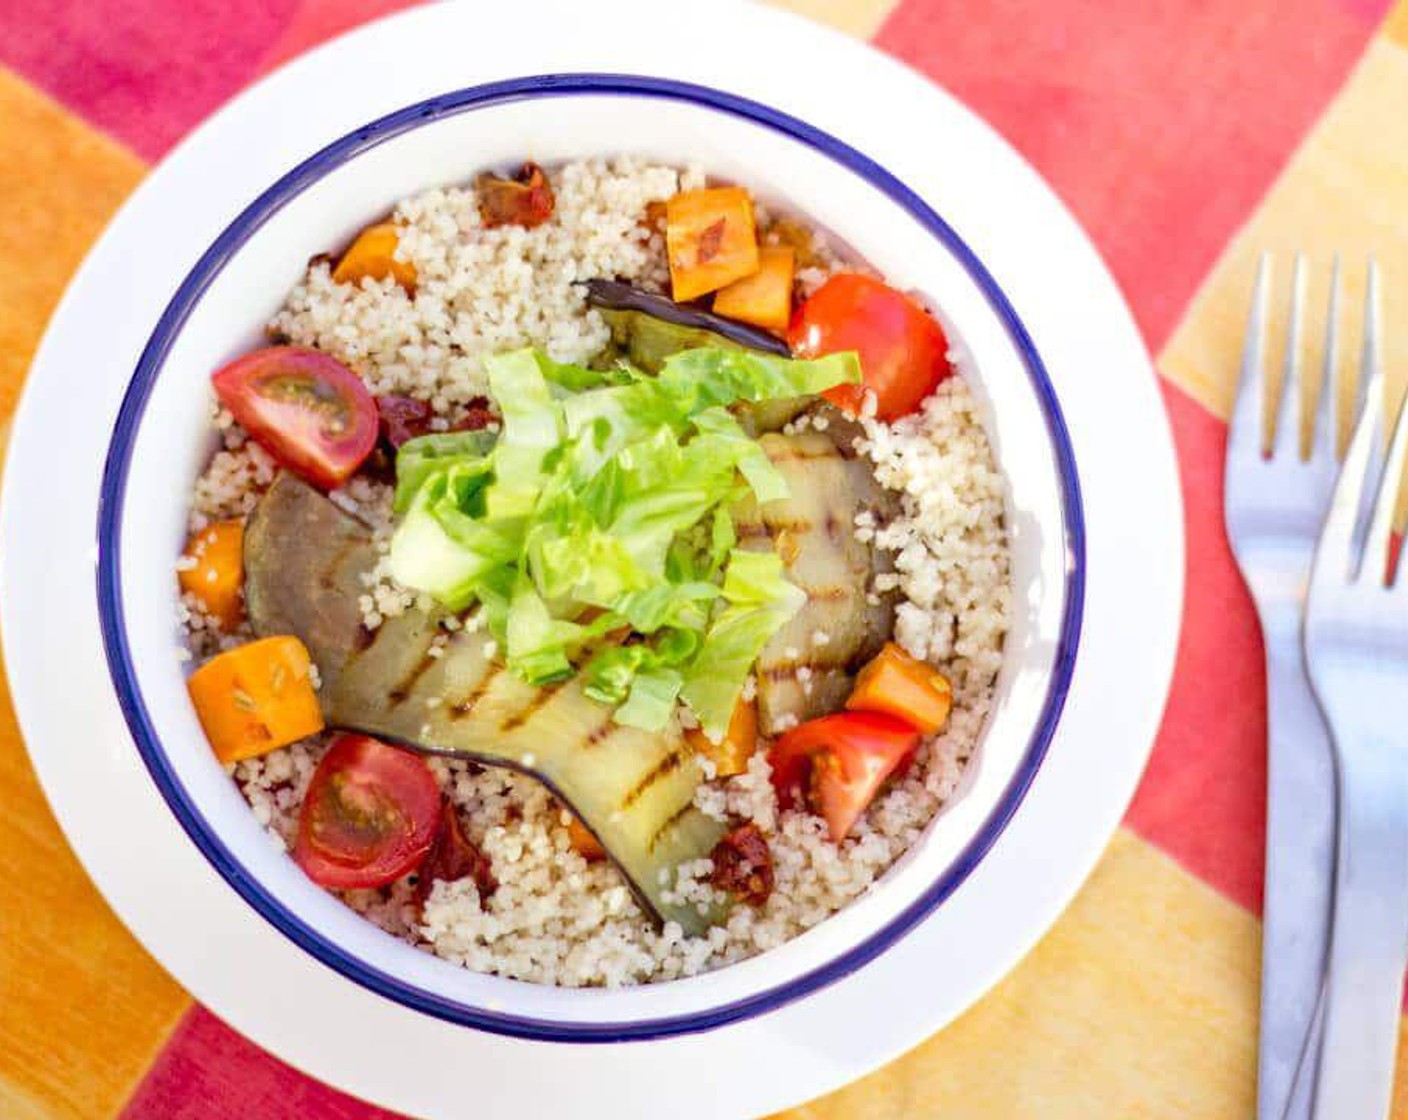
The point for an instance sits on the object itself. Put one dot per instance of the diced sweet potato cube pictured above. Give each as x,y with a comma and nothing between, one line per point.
583,842
903,686
214,571
730,756
374,254
711,238
256,698
765,298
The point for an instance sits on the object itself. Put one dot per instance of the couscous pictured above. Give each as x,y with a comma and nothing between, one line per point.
600,578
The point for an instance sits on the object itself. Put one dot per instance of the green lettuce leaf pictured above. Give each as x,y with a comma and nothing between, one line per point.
531,430
711,377
424,456
605,497
761,600
652,699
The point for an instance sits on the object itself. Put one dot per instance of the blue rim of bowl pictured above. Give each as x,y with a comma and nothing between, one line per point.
113,493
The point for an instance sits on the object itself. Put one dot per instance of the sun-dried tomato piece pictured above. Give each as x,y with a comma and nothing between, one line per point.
524,200
479,413
406,418
402,418
451,858
743,865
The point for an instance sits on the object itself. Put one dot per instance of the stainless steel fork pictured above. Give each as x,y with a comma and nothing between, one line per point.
1275,504
1356,641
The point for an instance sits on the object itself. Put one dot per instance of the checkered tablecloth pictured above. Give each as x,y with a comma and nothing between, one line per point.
1187,135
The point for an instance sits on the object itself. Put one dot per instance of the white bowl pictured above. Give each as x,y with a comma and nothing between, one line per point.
161,441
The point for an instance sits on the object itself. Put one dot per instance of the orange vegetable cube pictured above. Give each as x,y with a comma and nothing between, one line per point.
711,239
905,687
256,698
583,842
213,571
765,298
374,254
730,756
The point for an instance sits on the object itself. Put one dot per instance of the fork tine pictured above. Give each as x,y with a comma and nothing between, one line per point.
1286,435
1380,533
1337,539
1247,431
1376,548
1325,437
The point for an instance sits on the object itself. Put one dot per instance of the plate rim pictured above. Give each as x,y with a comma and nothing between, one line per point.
788,1056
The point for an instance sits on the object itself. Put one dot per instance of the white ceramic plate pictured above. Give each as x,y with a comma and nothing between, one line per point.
265,985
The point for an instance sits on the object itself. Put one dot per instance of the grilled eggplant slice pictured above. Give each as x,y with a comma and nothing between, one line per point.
414,682
649,328
813,530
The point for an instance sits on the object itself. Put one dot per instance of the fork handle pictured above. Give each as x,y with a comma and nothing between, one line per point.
1368,936
1300,871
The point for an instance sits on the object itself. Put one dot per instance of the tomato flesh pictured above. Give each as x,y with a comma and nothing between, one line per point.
369,817
836,764
903,350
307,409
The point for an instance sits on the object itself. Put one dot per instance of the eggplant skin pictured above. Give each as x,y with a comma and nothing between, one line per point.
417,683
613,296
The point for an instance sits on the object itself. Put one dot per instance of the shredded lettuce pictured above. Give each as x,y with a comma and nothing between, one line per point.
760,600
419,458
710,377
652,699
602,507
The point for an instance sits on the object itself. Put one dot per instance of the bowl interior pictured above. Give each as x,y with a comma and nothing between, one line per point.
164,440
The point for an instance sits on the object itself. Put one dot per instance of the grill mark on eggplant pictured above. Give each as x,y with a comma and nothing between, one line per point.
669,824
362,640
402,691
663,769
327,576
774,525
601,732
535,704
826,593
466,706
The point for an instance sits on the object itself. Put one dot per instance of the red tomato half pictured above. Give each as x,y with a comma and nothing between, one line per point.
307,409
836,764
369,817
903,351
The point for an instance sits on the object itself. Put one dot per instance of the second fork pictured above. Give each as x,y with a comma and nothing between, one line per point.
1275,503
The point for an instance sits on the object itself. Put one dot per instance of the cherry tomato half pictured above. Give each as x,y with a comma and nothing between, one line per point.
837,763
307,409
369,817
902,348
